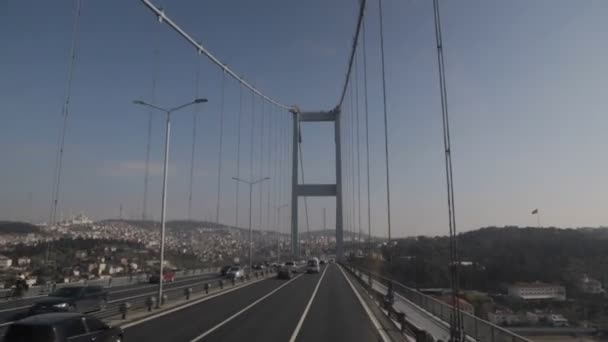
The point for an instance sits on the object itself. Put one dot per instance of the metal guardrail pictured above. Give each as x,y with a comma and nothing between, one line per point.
474,327
35,291
124,306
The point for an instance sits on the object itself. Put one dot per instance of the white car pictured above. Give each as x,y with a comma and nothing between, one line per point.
313,266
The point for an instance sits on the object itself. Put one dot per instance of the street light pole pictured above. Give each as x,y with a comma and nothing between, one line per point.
164,193
251,184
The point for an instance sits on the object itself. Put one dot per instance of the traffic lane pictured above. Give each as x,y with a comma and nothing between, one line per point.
17,303
190,322
14,313
274,318
150,288
8,304
336,314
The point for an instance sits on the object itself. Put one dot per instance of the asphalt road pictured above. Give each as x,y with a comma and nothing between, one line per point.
336,314
270,310
11,309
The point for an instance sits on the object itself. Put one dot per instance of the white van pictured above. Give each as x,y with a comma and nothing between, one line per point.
313,266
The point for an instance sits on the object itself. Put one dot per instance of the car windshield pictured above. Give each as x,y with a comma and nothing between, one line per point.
29,333
289,263
66,292
312,263
234,269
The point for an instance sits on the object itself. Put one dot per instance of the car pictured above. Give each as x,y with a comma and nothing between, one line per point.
62,327
224,270
258,267
235,272
168,277
323,262
313,266
72,298
285,272
292,265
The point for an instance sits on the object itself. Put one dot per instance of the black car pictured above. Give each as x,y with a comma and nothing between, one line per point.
285,272
61,327
73,298
224,270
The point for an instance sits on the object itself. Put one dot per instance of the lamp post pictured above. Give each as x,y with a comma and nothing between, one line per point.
164,193
251,183
279,230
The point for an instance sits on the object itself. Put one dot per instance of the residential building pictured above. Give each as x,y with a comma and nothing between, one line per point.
590,285
537,291
81,254
5,262
504,317
23,261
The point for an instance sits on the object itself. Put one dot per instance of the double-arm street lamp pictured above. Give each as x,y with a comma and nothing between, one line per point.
251,183
164,195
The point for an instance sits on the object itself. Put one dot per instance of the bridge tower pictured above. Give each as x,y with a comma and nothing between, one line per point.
306,190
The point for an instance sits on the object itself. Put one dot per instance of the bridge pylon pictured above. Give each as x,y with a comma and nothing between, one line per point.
326,190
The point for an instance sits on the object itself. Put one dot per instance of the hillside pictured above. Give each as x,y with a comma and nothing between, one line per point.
14,227
505,255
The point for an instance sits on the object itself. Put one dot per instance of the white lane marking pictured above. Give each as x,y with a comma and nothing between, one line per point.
366,308
6,323
301,321
163,313
200,337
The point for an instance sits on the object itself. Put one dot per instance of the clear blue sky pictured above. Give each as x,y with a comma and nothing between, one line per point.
526,89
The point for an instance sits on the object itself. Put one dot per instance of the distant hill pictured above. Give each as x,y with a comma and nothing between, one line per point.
504,255
14,227
175,225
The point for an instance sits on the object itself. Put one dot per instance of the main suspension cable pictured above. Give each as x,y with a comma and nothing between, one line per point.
352,52
162,17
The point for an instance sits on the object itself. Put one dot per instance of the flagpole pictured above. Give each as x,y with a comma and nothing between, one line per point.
538,219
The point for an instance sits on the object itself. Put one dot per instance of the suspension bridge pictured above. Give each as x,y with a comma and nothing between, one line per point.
344,302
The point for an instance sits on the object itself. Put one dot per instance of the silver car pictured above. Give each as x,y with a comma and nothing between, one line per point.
235,272
292,266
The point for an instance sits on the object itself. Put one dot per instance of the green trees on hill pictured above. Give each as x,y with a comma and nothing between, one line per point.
499,256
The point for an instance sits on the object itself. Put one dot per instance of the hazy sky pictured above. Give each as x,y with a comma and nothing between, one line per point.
526,91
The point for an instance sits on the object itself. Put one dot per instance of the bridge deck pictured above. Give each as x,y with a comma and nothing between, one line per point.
335,314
